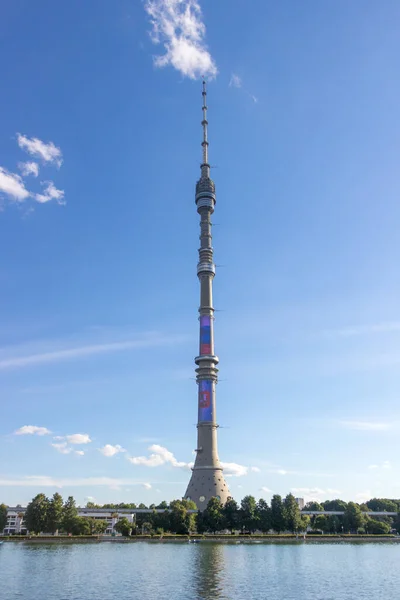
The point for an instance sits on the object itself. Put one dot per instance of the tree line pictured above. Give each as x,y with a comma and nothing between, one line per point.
51,515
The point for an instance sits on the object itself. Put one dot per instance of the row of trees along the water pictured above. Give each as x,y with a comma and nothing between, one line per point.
51,515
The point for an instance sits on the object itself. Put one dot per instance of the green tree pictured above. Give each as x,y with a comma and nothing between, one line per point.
213,516
70,513
334,505
278,522
264,516
353,518
3,517
96,526
313,506
321,522
304,522
334,524
181,521
36,514
382,504
396,523
230,513
55,513
92,505
292,513
248,516
377,527
78,526
163,505
161,521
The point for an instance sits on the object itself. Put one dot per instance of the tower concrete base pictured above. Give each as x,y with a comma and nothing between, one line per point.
207,483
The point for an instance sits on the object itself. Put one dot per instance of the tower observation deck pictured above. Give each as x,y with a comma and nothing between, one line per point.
207,479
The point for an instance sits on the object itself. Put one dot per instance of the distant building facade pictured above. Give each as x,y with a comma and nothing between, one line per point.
16,525
300,503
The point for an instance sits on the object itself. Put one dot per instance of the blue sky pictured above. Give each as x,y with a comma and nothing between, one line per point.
99,155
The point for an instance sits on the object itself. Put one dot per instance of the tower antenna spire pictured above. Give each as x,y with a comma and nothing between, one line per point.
205,167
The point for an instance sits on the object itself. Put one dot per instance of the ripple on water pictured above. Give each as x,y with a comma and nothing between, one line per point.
206,571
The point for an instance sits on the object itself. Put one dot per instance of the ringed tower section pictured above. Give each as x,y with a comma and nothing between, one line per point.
207,479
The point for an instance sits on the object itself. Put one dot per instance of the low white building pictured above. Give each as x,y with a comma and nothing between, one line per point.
15,518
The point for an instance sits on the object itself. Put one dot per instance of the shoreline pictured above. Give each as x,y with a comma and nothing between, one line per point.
198,539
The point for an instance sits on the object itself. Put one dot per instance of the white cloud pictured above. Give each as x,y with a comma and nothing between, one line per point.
265,489
147,486
234,470
235,81
78,438
255,469
47,152
385,466
50,193
12,185
29,168
389,327
41,481
363,496
178,25
32,430
115,487
316,493
91,350
109,450
62,448
79,452
366,425
159,456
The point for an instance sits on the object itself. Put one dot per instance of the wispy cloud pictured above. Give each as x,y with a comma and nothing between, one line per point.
178,25
360,330
109,450
385,466
12,185
235,81
364,496
84,351
315,493
62,448
50,193
47,152
366,425
147,486
41,481
255,469
29,168
32,430
265,489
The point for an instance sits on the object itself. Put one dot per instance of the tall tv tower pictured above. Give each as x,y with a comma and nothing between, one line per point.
207,479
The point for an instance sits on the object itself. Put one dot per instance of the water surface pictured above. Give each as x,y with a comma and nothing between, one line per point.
205,571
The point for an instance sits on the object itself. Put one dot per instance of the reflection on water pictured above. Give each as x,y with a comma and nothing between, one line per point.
204,571
208,571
